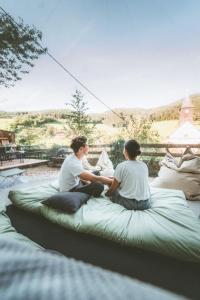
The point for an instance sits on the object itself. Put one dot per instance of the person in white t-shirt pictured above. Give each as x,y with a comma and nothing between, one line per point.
74,178
130,186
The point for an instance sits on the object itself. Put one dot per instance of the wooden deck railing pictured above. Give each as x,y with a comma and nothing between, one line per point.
148,150
151,153
159,150
151,150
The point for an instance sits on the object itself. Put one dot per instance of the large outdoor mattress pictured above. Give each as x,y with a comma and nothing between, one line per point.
8,231
26,274
169,227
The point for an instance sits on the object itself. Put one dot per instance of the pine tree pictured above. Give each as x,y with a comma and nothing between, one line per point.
78,120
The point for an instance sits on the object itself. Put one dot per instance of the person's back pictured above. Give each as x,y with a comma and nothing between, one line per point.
133,178
130,187
69,172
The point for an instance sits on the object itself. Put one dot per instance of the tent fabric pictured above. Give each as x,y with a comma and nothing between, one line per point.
187,133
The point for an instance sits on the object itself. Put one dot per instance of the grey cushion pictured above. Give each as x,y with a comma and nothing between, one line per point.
67,201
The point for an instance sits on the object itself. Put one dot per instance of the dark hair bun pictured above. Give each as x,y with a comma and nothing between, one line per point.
133,148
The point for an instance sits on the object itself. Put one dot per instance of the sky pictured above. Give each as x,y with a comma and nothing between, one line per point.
129,53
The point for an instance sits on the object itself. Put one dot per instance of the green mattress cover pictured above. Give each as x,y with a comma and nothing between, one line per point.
169,227
9,232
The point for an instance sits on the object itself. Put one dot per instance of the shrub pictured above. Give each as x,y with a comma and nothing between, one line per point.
116,153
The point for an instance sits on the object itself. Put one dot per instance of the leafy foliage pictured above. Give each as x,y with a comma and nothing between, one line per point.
27,136
30,120
138,128
18,49
53,150
116,152
30,127
132,127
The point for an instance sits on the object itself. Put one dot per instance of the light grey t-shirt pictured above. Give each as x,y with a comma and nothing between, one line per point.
133,178
69,173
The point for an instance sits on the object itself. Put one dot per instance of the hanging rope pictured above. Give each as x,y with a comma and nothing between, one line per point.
65,69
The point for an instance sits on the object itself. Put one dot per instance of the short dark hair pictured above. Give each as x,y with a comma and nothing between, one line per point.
78,142
133,148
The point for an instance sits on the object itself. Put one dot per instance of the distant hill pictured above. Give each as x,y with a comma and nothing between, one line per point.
162,113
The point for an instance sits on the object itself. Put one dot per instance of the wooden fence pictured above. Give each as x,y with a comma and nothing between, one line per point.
148,150
151,153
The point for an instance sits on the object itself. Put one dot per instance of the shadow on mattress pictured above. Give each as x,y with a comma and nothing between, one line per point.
169,273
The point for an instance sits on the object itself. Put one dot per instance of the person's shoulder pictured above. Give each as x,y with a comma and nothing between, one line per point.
68,159
121,165
143,164
140,162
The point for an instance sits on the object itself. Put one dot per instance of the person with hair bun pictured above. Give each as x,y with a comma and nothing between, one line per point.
130,186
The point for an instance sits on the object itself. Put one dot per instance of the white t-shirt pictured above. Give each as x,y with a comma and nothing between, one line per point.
133,178
69,173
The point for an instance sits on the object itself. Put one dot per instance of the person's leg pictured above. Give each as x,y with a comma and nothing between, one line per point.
117,198
143,204
130,204
94,189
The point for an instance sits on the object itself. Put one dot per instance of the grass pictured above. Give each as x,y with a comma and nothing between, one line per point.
165,128
5,123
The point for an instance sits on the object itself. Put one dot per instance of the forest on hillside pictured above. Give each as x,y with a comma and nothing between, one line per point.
163,113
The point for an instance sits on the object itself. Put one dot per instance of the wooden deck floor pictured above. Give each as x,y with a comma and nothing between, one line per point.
26,163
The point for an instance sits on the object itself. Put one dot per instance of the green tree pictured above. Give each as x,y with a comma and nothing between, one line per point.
78,120
50,131
139,128
27,136
18,49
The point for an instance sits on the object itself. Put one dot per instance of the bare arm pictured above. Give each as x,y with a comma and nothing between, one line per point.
88,176
114,186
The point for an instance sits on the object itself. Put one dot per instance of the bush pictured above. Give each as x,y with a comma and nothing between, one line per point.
138,128
153,165
116,153
53,150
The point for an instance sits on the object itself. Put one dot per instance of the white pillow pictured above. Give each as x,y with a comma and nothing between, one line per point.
106,164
